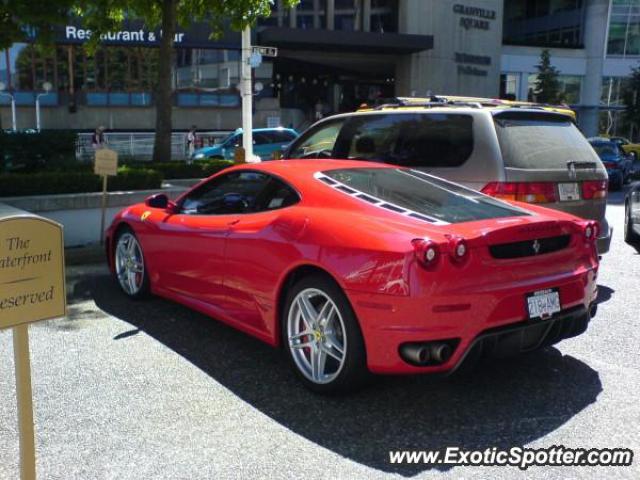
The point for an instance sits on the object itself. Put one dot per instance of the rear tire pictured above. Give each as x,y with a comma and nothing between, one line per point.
322,337
630,236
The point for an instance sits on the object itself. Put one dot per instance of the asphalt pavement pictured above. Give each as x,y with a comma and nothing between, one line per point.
152,390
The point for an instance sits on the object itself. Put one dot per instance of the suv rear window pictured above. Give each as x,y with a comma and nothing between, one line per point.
408,139
423,195
540,141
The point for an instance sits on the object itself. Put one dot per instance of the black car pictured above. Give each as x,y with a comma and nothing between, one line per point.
632,217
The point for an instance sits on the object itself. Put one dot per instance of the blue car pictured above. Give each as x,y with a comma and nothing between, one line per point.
265,142
617,162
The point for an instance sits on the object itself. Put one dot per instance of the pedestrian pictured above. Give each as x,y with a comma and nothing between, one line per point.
319,110
191,143
98,140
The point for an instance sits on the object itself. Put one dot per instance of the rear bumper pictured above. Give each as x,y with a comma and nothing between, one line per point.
526,336
604,241
465,321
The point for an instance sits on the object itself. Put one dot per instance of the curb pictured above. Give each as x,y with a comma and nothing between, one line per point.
85,255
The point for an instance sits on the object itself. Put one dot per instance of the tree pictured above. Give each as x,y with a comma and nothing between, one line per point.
17,16
631,99
102,16
547,86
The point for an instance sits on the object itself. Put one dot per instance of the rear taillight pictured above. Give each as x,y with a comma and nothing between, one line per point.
611,165
591,231
459,249
594,189
427,252
530,192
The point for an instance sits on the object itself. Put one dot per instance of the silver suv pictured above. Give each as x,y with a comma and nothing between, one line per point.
529,154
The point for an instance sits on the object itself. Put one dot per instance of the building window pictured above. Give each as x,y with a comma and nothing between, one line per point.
570,86
624,28
612,90
544,23
509,86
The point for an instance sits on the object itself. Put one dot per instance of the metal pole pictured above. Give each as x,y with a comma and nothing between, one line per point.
25,402
13,113
247,96
104,208
38,112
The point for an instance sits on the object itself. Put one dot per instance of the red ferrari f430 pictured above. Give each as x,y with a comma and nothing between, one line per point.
356,267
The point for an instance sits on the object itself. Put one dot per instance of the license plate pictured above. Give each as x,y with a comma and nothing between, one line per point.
544,303
569,192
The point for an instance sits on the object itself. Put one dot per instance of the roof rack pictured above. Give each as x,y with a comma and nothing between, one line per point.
459,101
429,102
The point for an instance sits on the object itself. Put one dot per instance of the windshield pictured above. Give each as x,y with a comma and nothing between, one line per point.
541,141
421,194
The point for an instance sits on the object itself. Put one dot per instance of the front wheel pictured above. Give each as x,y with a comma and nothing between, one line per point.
129,265
322,337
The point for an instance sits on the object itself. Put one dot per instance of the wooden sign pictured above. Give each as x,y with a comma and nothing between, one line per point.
106,162
32,288
31,268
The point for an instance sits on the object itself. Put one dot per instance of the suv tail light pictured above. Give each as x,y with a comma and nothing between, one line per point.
611,165
594,189
529,192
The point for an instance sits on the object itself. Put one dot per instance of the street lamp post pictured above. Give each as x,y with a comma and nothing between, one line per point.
46,86
247,95
13,104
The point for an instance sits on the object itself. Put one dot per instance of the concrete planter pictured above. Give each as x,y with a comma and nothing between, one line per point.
79,213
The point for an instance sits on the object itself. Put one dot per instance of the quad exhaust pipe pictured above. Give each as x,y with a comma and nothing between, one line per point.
429,353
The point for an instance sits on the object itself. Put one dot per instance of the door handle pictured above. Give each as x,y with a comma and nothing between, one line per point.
233,222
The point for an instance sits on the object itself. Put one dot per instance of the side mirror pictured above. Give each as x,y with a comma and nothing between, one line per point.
159,200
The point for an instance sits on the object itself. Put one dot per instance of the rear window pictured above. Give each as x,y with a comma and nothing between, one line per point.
606,149
408,139
541,141
419,195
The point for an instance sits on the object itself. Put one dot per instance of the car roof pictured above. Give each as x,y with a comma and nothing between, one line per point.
309,166
268,129
447,108
600,140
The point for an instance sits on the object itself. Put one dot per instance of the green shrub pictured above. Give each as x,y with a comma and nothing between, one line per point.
44,183
30,152
178,170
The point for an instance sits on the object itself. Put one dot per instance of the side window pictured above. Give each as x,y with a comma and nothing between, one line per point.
282,137
235,192
318,143
276,195
411,139
234,142
261,138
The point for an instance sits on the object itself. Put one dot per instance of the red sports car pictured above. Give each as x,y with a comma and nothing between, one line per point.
358,267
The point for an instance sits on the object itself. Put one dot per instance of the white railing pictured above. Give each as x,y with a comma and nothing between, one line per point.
139,145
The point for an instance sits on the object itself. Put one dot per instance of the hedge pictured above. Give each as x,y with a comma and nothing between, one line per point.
177,170
31,152
46,183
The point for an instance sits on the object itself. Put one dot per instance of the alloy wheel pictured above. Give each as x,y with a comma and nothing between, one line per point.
129,264
316,336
